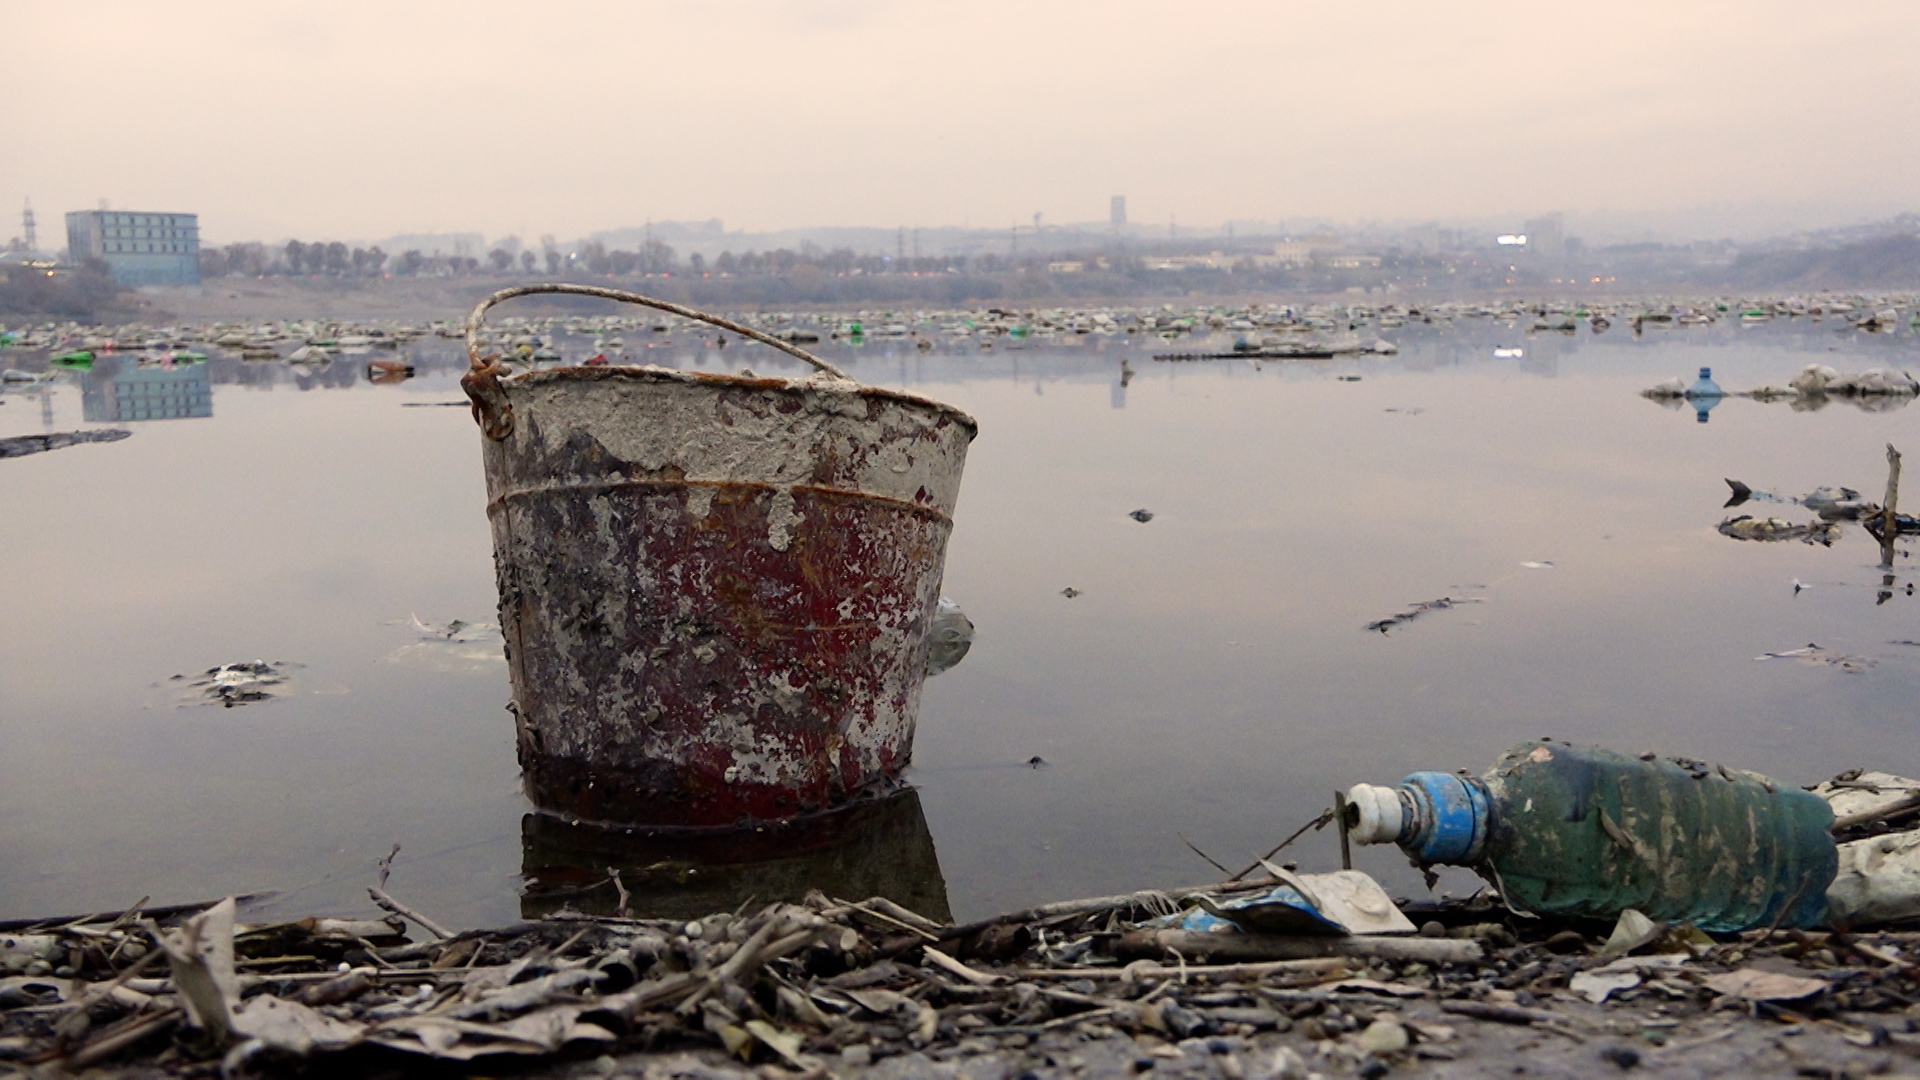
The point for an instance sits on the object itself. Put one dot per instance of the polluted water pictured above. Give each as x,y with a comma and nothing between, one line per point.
1522,542
1176,713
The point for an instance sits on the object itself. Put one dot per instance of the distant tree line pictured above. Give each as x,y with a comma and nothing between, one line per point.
88,294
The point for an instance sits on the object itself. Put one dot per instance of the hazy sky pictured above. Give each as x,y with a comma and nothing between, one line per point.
358,119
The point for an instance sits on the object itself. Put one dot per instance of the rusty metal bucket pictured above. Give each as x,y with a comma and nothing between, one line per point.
715,590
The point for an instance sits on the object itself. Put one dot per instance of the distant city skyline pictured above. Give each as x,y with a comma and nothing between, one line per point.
1706,119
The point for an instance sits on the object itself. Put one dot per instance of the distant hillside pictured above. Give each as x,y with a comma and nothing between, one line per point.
1880,262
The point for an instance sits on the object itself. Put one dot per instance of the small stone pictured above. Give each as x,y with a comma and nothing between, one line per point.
1626,1057
604,1065
1567,941
1384,1036
1433,928
1287,1065
1373,1069
857,1057
39,969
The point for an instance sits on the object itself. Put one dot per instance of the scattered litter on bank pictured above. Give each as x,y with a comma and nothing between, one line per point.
1274,970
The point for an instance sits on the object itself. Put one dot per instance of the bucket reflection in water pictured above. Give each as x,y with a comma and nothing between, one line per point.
878,847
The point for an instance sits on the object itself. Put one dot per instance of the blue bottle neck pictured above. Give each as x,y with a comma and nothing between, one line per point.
1452,816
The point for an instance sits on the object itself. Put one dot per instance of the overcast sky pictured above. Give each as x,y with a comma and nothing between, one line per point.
359,119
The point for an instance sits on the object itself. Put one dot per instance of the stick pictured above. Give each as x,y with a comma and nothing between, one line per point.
1259,947
1889,528
1210,859
380,897
954,967
110,1044
20,926
1085,908
1340,815
1148,969
1868,817
1505,1014
1317,823
901,923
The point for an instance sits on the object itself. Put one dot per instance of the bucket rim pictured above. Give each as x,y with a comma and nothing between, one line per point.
817,384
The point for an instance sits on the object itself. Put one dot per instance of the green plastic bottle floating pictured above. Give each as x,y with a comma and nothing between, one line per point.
1586,832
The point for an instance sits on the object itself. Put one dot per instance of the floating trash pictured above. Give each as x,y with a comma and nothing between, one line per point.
950,637
23,445
241,683
1814,654
1773,530
1419,609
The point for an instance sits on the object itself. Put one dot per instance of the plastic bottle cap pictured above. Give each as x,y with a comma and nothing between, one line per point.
1381,814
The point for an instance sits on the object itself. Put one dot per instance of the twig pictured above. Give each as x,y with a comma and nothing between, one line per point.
901,923
620,888
386,867
1211,861
1068,909
1890,528
1317,823
1340,816
1868,817
21,926
1148,969
375,953
1505,1014
119,1039
380,897
1058,1021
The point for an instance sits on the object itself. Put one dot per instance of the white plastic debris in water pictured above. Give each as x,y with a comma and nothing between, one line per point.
1814,379
949,638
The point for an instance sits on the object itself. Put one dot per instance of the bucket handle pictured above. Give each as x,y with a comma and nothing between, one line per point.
482,384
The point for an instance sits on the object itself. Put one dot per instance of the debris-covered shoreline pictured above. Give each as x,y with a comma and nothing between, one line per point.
1103,986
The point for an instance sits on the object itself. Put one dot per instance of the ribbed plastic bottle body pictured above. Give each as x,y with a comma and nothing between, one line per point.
1583,831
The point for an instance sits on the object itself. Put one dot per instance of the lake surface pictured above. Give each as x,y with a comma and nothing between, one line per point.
1213,679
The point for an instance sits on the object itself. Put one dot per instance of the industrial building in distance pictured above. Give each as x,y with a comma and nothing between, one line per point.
142,248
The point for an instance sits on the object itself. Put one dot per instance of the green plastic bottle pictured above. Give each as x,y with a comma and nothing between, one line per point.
1586,832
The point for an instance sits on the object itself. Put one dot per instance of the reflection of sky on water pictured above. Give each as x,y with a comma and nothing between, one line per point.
1212,680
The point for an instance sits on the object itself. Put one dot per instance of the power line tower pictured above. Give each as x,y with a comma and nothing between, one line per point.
26,227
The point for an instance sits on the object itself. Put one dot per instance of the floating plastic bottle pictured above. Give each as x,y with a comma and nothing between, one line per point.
1704,394
1586,832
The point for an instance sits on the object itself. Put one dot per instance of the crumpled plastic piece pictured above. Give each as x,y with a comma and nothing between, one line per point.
1343,902
442,1037
293,1028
